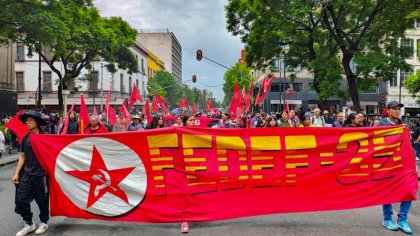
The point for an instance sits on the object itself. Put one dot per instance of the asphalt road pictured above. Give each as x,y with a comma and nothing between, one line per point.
366,221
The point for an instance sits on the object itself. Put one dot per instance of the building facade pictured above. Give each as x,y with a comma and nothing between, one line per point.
8,95
396,89
95,92
154,64
165,46
301,94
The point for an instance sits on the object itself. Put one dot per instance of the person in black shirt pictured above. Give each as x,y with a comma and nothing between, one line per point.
30,179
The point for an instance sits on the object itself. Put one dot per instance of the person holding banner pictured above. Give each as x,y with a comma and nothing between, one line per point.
30,179
187,121
393,119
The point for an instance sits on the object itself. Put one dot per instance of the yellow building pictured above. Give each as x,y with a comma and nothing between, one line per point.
154,64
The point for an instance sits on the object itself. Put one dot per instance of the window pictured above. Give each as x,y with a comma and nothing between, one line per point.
93,85
297,87
370,109
130,85
275,87
418,48
142,88
142,65
311,87
403,76
46,85
20,52
121,83
372,89
394,81
20,82
418,23
47,53
408,46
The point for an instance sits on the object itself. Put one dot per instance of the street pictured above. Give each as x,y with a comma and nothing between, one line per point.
366,221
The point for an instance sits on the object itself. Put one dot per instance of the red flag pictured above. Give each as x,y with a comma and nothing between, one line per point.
183,103
17,126
83,115
287,107
146,109
134,96
125,113
66,121
260,97
209,106
110,112
155,104
193,108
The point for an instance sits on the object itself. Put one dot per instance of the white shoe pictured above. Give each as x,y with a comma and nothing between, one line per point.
26,229
41,228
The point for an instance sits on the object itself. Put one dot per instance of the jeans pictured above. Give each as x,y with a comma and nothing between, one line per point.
402,215
416,147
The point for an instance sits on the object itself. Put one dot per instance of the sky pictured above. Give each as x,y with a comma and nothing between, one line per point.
197,24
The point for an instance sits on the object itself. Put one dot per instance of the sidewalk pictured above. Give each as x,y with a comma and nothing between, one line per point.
7,159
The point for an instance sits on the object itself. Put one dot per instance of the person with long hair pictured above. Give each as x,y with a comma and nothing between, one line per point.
157,122
284,120
305,121
178,122
271,122
353,121
188,120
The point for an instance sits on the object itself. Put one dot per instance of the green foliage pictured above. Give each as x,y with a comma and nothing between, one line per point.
412,83
166,86
238,74
317,33
74,34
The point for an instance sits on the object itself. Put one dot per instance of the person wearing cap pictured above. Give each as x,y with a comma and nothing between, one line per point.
393,119
30,179
135,125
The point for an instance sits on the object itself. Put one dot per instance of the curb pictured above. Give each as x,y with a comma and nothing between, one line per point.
8,163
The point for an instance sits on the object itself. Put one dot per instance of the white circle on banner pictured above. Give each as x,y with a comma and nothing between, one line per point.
111,197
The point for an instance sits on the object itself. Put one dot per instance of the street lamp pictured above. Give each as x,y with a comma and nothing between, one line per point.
30,55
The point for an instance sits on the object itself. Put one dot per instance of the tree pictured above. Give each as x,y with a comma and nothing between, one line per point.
72,33
237,74
319,34
412,83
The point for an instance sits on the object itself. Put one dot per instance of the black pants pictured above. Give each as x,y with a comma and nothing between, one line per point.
32,188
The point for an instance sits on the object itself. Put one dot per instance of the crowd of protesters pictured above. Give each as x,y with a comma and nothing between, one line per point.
54,124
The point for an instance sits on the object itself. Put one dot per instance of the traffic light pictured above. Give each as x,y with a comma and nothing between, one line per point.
194,78
199,55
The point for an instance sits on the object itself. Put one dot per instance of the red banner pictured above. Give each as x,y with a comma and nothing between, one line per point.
198,174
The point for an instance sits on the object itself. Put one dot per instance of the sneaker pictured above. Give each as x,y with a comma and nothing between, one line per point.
403,226
41,228
185,227
389,224
26,229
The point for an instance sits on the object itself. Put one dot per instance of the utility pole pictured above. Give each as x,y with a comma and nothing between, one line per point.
102,86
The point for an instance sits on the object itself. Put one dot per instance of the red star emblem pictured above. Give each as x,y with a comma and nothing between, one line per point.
101,179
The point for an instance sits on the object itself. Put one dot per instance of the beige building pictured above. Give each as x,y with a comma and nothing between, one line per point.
396,89
8,96
166,47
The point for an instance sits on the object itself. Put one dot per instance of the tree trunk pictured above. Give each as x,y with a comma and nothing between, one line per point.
352,83
60,95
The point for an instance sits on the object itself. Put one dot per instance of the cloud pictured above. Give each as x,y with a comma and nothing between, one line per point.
197,24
